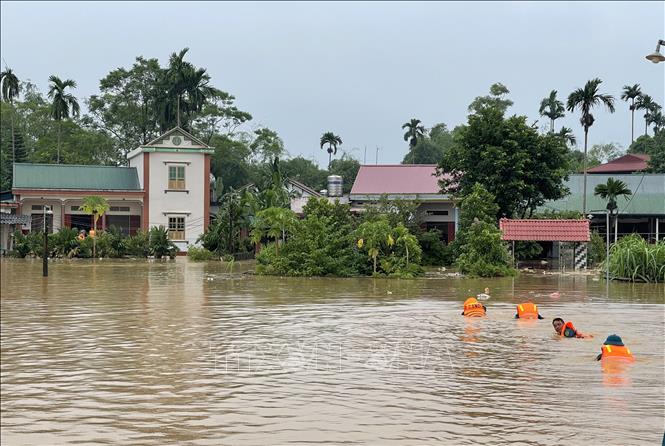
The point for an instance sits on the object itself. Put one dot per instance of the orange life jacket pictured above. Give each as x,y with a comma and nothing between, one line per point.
473,308
568,325
616,352
527,310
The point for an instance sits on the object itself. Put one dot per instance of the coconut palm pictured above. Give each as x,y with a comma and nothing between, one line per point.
333,141
96,206
646,103
552,108
630,93
568,136
414,131
610,191
10,89
586,99
64,104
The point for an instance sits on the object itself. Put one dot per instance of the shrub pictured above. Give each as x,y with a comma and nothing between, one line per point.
63,243
30,244
160,245
484,254
138,245
634,259
435,251
597,249
200,254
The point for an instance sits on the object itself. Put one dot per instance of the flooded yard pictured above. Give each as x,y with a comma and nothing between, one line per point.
150,353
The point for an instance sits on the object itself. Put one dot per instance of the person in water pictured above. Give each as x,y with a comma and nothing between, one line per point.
473,308
528,310
566,329
613,348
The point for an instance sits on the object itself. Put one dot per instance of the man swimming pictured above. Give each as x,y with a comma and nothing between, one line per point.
566,329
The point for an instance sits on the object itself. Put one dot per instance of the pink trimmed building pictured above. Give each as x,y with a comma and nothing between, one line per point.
417,182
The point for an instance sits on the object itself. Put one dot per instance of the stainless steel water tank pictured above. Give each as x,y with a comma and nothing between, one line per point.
334,186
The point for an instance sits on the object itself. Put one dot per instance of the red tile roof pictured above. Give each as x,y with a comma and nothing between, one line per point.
545,230
396,179
630,162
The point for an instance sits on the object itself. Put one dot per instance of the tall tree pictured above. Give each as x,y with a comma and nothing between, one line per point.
646,103
414,131
657,119
586,99
631,93
332,141
552,108
519,166
610,191
10,90
497,99
63,104
567,134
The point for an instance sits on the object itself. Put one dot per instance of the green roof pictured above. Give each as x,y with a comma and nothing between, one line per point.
648,196
66,176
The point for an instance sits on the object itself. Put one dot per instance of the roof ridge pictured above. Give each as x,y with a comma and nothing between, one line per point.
73,165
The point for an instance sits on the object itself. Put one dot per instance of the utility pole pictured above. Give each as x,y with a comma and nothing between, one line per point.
365,157
377,156
45,253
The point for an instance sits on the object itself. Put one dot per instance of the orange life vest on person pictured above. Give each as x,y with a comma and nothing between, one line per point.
570,326
473,308
616,352
527,310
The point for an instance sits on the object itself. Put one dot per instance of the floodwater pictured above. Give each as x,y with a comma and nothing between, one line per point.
152,353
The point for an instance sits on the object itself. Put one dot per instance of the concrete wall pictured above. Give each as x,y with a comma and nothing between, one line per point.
189,203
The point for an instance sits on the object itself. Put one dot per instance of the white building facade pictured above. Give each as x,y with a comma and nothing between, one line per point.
174,172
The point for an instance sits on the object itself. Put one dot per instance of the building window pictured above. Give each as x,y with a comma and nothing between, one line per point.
75,208
119,208
177,177
437,212
177,228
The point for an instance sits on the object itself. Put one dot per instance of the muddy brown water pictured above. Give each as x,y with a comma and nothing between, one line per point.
152,353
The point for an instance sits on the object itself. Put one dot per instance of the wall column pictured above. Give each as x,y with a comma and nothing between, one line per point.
206,192
145,217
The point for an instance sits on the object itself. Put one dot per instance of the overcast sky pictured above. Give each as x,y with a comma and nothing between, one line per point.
358,69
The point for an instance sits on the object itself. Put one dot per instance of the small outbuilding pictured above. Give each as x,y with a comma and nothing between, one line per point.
562,233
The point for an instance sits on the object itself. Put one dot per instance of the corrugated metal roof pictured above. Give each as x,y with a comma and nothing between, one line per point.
67,176
648,194
631,162
545,230
393,179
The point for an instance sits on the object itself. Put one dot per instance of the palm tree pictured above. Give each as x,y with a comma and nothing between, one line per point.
10,89
414,131
585,99
568,136
658,120
646,103
96,206
63,103
333,141
610,191
552,108
630,93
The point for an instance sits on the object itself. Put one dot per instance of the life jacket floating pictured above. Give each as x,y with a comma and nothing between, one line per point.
527,310
473,308
614,352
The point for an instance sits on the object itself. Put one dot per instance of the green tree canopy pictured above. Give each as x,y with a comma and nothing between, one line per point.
496,100
520,167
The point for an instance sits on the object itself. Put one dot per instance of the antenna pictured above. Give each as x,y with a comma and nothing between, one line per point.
377,155
365,157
